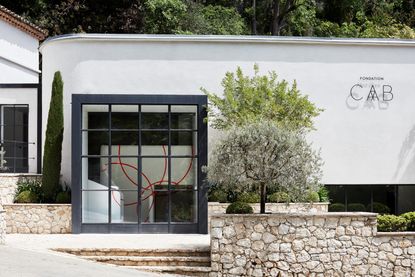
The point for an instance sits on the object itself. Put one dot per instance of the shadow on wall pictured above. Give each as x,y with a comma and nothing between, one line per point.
405,170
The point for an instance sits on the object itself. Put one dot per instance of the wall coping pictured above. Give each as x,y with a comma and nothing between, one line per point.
291,215
395,234
20,175
272,203
35,204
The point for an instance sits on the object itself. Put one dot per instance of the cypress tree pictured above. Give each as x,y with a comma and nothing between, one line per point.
52,156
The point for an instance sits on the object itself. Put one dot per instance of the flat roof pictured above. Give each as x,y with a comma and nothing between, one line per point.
230,39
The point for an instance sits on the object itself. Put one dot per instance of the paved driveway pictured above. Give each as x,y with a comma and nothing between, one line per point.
15,262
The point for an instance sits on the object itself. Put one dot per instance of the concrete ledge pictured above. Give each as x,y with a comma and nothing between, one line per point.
395,234
291,215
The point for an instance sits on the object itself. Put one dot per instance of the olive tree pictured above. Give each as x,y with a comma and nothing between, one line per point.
262,154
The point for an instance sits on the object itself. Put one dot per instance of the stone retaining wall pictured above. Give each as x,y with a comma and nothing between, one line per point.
2,225
38,218
220,208
304,244
8,185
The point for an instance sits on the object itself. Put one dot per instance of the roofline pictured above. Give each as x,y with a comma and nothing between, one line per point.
22,23
20,64
229,39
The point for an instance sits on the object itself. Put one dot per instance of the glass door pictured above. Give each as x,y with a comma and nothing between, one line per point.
140,167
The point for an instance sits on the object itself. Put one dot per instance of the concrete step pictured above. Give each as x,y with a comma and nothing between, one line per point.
192,261
196,252
202,271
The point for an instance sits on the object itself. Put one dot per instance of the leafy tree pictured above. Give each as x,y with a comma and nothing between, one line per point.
163,16
52,156
250,99
262,155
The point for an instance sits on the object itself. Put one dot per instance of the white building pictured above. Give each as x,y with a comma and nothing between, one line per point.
20,94
125,91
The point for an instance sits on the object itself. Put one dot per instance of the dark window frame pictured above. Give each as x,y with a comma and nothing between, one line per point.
78,100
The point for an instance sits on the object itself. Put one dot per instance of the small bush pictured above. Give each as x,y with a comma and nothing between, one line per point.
279,197
323,194
356,207
391,223
410,218
63,197
379,208
34,186
239,208
248,197
337,207
218,195
312,196
26,196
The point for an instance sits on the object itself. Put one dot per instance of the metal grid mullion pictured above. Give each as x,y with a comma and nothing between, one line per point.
109,164
169,169
140,168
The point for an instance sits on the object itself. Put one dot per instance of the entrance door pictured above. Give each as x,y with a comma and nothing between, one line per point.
14,138
140,165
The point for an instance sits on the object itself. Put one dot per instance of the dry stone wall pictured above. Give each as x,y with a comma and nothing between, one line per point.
2,225
308,244
220,208
38,218
8,185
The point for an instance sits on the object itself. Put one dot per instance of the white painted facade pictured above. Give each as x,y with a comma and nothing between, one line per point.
362,142
19,64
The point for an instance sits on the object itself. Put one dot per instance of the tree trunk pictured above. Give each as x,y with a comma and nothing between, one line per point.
263,188
275,17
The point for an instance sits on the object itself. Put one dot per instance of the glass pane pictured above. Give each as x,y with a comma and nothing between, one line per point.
154,150
154,206
22,165
95,173
125,138
124,173
95,143
154,117
337,198
8,149
8,115
21,150
183,117
20,133
155,174
21,115
183,138
183,206
358,198
406,196
154,138
124,117
95,206
183,173
8,133
95,117
383,200
124,206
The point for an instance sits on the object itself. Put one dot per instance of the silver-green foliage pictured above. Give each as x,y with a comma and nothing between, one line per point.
263,154
249,99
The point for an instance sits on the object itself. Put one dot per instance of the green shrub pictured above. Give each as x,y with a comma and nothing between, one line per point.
248,197
391,223
53,141
27,196
239,208
34,186
63,197
379,208
410,218
279,197
337,207
323,194
356,207
218,195
312,196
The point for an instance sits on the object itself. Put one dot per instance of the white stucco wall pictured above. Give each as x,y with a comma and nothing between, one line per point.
370,143
19,56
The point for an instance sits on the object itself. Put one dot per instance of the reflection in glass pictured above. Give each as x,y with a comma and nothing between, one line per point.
183,206
183,117
154,206
154,138
124,139
124,117
95,207
183,173
95,173
95,117
126,202
97,142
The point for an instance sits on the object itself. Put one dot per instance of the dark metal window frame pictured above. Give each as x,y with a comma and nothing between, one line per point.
78,100
15,143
